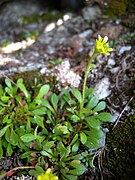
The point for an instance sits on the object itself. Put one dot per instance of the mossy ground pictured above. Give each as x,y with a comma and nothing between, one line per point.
118,8
120,160
46,17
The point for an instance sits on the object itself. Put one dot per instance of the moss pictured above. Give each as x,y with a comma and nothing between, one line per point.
116,8
48,16
29,78
129,21
121,158
130,5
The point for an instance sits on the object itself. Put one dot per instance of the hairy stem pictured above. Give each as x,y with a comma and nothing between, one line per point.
85,79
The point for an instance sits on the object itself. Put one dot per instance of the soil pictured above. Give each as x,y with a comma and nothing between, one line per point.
73,41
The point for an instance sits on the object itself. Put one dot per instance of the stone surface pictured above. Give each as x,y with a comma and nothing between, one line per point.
113,32
91,13
12,11
102,88
124,48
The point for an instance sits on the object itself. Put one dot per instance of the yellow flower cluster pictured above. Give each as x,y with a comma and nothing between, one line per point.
102,47
47,176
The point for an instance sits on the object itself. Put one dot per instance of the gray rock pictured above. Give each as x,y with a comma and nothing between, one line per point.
102,88
10,14
124,48
91,13
86,33
111,62
115,70
115,116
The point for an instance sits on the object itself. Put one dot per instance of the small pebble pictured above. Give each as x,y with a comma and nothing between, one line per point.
124,48
111,62
102,88
115,70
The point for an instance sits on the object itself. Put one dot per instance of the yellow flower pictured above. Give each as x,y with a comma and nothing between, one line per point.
102,46
47,176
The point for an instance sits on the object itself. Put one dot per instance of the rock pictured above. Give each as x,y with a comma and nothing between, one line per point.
112,32
32,26
86,33
50,27
102,141
13,10
60,34
102,88
91,13
75,42
115,116
111,62
76,25
115,70
123,49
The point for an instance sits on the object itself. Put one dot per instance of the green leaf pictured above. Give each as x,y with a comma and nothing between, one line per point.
95,133
5,99
61,129
93,102
69,126
92,142
62,103
54,101
39,169
104,117
28,138
7,135
39,121
89,92
74,139
93,122
66,93
79,169
55,61
77,157
22,87
75,147
3,130
85,153
83,137
77,95
21,145
71,177
25,155
9,149
14,138
9,91
39,111
74,162
101,106
34,173
64,170
1,90
1,150
45,103
8,83
6,120
43,91
61,149
92,66
48,145
75,118
40,139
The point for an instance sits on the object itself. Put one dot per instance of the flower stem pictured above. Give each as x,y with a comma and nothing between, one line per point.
85,79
